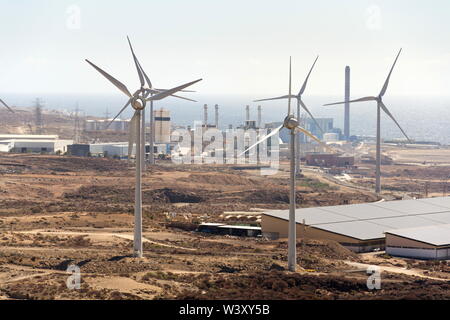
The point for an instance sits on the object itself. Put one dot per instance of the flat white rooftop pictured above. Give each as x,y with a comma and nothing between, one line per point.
369,221
27,137
437,235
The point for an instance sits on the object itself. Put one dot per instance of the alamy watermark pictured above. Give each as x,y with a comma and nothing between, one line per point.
73,17
374,280
74,280
214,146
373,18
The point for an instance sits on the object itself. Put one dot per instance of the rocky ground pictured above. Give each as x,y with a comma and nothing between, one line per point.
62,211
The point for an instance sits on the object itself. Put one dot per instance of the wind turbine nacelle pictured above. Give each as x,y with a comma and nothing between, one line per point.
291,122
138,103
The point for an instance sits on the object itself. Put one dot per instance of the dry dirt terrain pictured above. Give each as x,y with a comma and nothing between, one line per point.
413,172
62,211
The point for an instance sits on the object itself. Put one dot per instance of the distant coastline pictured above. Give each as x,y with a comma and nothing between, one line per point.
425,119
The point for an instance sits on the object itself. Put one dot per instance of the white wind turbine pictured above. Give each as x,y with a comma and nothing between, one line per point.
301,104
150,91
138,101
380,106
292,124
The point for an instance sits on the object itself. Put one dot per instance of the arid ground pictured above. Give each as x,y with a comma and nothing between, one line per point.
60,211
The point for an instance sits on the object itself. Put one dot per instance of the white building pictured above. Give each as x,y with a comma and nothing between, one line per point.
33,143
28,137
120,149
35,146
429,243
114,149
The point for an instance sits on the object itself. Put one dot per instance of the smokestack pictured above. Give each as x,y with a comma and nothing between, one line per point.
217,116
205,116
259,116
247,115
347,104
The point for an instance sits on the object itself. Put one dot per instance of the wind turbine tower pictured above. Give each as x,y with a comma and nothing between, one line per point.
380,107
347,104
300,104
138,102
292,124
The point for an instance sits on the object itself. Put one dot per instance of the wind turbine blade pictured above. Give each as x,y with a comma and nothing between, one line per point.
139,67
132,134
166,90
310,114
274,132
113,80
183,98
149,83
165,94
156,91
123,109
309,134
302,90
353,101
385,109
290,85
136,62
3,102
386,84
277,98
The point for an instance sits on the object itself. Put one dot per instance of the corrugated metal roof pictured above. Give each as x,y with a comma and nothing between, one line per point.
409,207
443,217
370,220
438,235
362,230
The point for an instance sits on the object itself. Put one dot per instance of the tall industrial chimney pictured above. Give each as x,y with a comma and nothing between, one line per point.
205,116
247,115
259,116
217,116
347,104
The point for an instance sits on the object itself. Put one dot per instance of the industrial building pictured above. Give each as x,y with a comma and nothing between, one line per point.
100,125
162,126
329,160
232,230
429,243
28,137
327,125
79,150
33,144
360,227
120,149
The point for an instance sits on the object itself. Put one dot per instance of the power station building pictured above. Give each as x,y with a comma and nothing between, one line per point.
329,160
370,226
100,125
162,126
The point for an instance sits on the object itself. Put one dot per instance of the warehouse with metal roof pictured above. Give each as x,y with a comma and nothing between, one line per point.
360,227
431,242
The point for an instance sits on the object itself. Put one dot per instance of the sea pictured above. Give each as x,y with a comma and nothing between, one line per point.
424,118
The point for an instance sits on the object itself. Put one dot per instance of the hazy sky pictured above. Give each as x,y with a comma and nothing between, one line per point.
238,47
